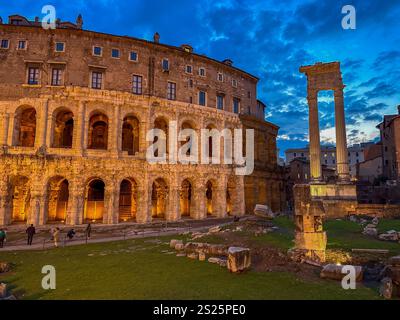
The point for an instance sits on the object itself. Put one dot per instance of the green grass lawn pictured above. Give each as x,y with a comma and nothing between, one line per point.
135,269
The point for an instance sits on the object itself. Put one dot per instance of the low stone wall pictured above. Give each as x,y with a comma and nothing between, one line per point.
379,210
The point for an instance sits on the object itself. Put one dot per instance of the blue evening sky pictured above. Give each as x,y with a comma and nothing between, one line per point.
270,39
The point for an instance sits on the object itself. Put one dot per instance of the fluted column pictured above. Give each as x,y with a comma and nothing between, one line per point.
315,148
341,139
4,123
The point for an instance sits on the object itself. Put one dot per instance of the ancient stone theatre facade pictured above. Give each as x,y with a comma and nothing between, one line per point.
75,107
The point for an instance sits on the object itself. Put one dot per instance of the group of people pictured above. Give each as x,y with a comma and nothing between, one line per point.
55,235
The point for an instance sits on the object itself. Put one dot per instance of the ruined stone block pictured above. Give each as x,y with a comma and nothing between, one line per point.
238,259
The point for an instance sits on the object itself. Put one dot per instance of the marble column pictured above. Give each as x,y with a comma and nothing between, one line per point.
315,148
341,140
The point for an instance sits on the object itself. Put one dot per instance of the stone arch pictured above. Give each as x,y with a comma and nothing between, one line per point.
128,197
94,200
20,198
63,128
57,199
25,126
186,198
162,123
211,197
130,134
98,131
159,198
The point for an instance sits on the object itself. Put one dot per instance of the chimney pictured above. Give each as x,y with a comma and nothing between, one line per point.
79,22
228,62
156,37
36,19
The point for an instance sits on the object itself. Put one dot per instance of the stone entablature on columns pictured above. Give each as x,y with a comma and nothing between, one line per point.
326,76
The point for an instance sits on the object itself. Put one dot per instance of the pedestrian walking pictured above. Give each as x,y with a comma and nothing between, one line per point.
88,230
3,237
56,236
30,231
71,234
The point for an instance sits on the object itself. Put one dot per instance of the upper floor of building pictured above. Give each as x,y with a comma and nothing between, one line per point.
34,58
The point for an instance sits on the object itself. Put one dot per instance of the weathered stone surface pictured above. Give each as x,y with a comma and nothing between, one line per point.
193,255
179,246
334,272
395,261
222,263
3,290
375,221
4,267
372,232
388,237
214,260
238,259
263,211
174,242
202,256
215,229
386,288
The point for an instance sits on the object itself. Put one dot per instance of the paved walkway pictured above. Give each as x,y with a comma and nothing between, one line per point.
48,244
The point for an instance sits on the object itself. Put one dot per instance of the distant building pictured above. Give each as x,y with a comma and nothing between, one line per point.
390,141
328,156
371,168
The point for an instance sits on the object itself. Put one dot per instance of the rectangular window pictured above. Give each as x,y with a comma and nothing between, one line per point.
202,98
137,84
97,79
220,102
220,77
97,51
188,69
202,72
60,47
165,65
234,83
236,105
133,56
33,75
171,91
21,45
4,44
56,77
115,53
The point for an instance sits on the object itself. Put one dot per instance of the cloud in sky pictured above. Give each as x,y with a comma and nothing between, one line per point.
270,39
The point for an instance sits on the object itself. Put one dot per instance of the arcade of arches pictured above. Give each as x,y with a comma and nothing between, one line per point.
80,157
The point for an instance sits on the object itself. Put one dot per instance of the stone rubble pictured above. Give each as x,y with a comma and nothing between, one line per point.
238,259
334,272
4,267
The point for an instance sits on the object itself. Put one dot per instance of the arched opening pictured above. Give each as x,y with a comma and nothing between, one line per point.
20,199
161,123
185,200
98,132
209,198
63,129
187,125
130,135
25,127
159,198
58,195
95,201
127,200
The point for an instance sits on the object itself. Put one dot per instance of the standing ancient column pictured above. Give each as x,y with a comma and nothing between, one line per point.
143,213
41,125
115,132
341,140
315,148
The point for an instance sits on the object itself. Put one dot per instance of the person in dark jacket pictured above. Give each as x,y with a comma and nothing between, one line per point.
3,237
30,231
88,230
70,234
